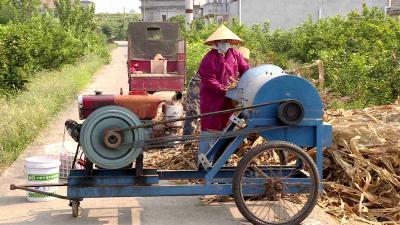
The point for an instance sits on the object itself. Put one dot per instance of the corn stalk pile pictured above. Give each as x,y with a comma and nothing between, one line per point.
181,157
362,169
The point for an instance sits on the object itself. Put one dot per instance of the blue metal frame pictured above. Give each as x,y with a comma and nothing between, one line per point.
121,183
217,179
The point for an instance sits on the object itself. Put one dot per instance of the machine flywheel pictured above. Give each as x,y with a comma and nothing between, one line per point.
108,150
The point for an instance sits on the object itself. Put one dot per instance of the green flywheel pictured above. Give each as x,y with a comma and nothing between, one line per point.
94,130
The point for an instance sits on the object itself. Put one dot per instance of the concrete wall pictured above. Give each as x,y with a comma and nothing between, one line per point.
332,8
154,9
286,14
155,14
233,9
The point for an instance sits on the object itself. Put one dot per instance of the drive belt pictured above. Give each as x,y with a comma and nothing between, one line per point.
201,115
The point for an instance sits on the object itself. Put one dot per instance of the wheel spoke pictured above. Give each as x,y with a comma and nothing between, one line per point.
259,171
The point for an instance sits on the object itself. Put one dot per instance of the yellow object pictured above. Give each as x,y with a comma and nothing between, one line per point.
245,52
223,33
158,57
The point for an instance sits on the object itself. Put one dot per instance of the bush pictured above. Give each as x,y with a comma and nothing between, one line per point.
16,56
33,42
116,25
25,115
360,52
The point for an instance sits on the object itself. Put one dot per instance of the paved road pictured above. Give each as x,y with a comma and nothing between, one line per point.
14,209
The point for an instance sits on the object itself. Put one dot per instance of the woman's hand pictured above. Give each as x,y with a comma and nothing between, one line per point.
234,82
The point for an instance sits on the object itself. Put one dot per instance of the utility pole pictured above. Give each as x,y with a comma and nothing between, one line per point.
240,11
144,10
188,11
124,19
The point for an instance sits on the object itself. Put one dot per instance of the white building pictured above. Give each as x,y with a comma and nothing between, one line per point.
393,8
286,14
216,10
162,10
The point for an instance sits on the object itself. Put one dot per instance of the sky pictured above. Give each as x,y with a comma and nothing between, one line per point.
114,6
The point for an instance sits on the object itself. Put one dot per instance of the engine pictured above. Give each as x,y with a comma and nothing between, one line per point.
103,115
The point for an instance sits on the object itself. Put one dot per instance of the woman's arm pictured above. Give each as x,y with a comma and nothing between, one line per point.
208,76
243,66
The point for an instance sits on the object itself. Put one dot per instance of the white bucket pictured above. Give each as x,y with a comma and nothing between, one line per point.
173,111
42,170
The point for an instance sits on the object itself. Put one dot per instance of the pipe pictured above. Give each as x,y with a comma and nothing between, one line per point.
144,10
188,11
240,11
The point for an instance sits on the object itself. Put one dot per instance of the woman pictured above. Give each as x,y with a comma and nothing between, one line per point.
192,98
221,66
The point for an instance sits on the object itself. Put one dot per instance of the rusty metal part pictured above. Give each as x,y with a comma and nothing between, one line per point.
31,189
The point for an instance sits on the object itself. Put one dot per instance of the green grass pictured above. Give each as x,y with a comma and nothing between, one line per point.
24,116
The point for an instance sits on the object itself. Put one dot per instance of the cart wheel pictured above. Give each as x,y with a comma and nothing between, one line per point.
75,208
261,188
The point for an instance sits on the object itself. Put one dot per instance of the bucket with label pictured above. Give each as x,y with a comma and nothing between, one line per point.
173,111
42,170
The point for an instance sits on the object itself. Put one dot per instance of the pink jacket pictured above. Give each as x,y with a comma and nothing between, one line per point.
215,71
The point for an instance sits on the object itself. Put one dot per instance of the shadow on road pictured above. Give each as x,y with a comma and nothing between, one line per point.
98,216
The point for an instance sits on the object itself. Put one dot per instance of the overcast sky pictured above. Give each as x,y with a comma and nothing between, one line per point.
114,6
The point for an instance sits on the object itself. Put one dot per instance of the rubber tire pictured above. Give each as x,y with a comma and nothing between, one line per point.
237,178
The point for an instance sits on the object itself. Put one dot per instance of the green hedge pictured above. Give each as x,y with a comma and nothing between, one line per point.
43,41
116,25
361,52
361,55
24,116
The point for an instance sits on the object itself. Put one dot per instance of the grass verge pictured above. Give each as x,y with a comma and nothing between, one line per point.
23,117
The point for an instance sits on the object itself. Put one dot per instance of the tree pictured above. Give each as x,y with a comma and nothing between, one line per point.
26,8
7,11
179,20
106,30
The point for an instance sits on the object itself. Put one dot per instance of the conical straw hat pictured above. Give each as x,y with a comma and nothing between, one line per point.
245,52
223,33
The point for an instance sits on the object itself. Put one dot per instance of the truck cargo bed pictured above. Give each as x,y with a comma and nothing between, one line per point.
156,82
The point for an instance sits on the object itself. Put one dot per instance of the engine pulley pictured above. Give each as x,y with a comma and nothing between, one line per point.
108,149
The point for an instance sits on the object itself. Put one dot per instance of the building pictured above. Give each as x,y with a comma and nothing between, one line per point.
197,11
393,8
286,14
216,10
162,10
